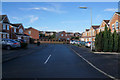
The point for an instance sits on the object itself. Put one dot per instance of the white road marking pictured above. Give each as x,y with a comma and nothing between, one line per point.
47,59
95,66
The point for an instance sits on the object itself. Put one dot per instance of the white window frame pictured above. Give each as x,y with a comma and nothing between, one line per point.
14,29
7,27
4,35
113,27
8,36
117,25
20,30
65,34
29,32
4,26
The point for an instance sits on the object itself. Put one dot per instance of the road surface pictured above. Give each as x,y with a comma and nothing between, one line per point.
54,61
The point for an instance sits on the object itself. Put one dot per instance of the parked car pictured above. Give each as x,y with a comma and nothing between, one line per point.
72,42
82,43
88,44
20,40
9,44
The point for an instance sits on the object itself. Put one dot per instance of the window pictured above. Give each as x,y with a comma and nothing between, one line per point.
4,26
7,27
20,31
116,25
112,26
68,39
4,35
0,36
29,32
7,35
15,30
61,34
65,34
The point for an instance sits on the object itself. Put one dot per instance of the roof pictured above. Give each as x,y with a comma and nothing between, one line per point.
87,29
16,25
117,12
5,20
31,28
95,26
106,21
2,17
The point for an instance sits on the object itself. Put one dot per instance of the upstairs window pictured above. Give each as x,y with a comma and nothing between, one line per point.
112,26
4,27
65,34
15,30
61,34
116,25
20,31
7,27
29,32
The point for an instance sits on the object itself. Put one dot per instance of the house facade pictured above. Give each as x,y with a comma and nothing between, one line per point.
33,33
114,23
62,36
4,27
11,31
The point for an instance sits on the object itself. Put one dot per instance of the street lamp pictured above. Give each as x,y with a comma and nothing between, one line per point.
91,22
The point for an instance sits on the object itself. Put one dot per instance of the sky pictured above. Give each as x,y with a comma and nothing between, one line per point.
59,16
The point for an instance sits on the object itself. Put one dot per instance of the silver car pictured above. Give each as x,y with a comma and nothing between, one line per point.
9,43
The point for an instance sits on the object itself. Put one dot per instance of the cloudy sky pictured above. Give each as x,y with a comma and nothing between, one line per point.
57,16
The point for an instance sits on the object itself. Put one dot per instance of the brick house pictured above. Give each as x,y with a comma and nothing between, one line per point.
114,23
11,31
102,26
4,26
33,33
62,36
94,29
17,32
49,33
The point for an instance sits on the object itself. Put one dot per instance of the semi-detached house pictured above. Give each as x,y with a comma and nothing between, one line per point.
11,31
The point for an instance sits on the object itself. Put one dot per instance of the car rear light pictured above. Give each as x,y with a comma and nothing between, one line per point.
15,43
89,42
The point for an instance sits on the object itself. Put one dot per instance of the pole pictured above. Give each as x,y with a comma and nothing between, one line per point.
91,27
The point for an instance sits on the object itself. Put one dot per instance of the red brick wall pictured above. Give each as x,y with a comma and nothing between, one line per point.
34,33
113,21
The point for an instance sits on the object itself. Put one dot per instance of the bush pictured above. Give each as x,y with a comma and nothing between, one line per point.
24,45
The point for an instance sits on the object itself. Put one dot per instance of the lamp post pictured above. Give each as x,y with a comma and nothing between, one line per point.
91,22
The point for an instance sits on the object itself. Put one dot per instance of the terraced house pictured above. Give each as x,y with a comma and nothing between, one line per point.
89,34
11,31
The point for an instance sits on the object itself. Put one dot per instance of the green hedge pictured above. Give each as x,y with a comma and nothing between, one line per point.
107,41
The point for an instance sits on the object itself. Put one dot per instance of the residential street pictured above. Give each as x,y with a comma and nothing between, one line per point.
53,61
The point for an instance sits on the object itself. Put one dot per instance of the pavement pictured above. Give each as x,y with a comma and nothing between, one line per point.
61,61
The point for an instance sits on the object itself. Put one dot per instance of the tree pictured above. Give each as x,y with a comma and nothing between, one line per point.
110,42
119,43
105,38
115,41
98,41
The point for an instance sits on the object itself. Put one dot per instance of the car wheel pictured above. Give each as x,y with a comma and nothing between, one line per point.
8,47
